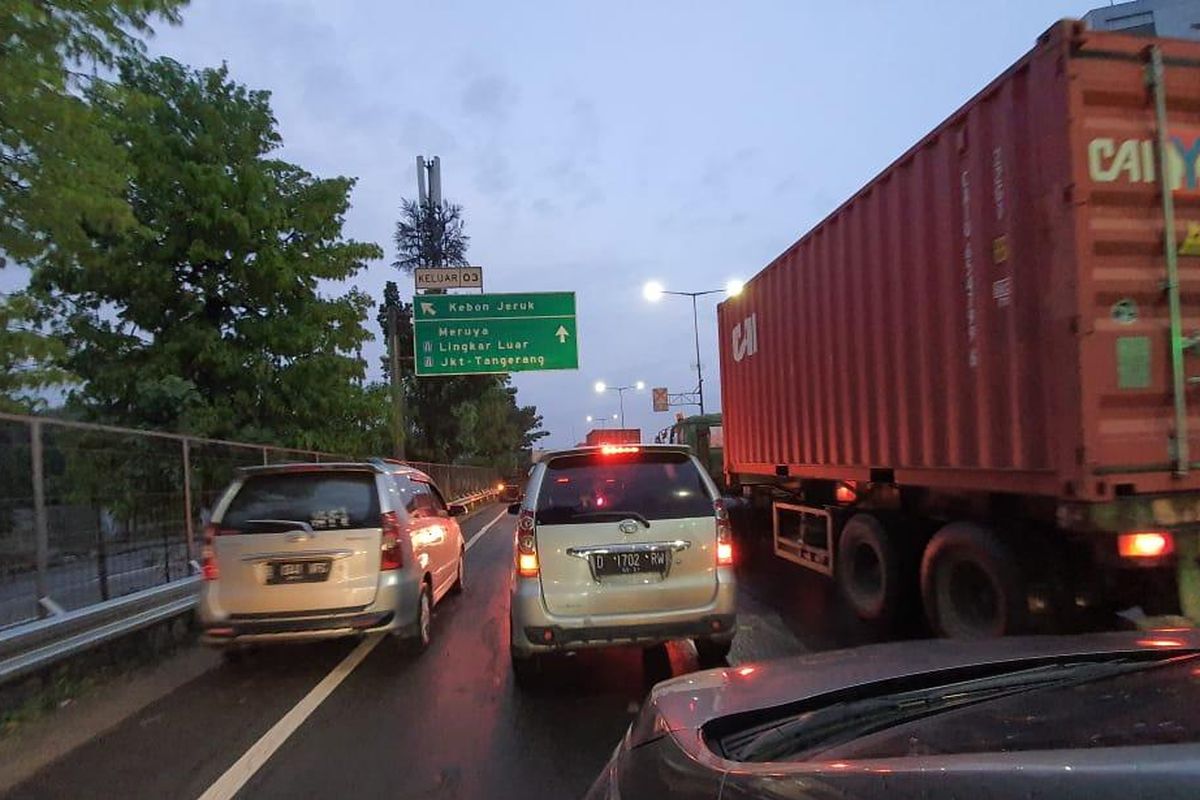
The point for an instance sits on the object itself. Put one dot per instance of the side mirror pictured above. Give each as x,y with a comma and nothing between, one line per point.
457,509
514,508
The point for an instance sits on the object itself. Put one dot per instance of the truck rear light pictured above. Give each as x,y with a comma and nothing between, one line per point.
1145,544
845,492
209,570
724,535
527,560
390,555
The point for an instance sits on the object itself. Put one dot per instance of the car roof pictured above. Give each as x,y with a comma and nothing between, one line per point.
385,466
594,449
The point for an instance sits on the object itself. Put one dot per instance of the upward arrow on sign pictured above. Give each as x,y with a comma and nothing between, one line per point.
427,308
562,334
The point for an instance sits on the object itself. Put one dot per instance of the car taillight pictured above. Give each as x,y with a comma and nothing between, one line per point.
527,560
208,554
724,535
1145,544
619,449
390,555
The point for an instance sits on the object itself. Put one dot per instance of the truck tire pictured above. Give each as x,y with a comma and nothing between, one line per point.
971,584
868,569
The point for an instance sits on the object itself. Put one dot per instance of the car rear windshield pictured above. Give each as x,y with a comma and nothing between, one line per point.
587,488
324,500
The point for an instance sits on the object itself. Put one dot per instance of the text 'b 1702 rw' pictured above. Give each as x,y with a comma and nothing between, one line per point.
490,333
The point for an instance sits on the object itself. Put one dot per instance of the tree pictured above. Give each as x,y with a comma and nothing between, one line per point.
205,315
27,356
59,172
430,235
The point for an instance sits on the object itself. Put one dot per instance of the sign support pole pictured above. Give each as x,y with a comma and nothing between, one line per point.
398,411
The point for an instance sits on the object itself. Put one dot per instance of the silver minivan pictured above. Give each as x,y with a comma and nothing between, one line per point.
620,544
315,551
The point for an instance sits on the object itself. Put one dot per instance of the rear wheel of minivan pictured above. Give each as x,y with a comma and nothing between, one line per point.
526,671
460,582
419,640
712,653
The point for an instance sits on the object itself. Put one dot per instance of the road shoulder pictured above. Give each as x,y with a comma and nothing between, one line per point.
43,741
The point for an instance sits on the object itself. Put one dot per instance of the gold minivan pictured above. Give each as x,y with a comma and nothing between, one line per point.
620,544
317,551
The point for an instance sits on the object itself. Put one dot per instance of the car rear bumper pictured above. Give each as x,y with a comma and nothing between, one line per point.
536,630
394,610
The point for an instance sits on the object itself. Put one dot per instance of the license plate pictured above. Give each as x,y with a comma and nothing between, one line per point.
298,571
630,563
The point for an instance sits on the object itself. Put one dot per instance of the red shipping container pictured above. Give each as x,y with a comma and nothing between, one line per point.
989,312
613,436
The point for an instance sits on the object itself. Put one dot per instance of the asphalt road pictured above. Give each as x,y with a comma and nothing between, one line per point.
447,724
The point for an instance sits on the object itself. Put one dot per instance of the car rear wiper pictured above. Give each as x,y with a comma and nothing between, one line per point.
613,514
805,734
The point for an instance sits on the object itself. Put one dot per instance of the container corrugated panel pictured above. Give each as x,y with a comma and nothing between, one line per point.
989,312
614,436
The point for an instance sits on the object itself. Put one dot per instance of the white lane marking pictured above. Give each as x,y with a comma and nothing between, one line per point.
252,760
486,528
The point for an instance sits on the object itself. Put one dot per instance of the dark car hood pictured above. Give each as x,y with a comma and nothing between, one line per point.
690,701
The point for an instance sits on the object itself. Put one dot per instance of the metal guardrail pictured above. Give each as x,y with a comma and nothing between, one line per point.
93,512
33,646
27,648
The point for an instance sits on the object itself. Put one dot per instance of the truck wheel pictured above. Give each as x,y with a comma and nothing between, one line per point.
868,569
970,584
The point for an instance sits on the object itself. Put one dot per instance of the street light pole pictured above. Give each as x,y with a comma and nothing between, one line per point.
602,387
699,370
653,291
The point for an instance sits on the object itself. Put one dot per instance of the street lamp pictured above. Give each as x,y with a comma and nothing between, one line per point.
602,387
653,291
601,420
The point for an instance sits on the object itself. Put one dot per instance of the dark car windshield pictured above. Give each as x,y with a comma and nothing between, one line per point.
1154,706
324,500
650,485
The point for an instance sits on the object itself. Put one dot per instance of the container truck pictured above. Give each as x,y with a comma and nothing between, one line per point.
973,385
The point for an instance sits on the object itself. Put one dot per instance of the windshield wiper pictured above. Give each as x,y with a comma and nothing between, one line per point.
813,731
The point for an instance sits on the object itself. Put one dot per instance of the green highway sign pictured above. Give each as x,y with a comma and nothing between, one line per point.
489,333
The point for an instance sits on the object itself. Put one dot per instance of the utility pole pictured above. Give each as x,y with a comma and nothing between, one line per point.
398,414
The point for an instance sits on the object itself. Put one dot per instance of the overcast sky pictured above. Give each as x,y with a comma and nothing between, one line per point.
596,145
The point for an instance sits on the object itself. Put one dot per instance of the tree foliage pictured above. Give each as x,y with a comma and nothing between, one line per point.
28,356
59,171
430,235
205,314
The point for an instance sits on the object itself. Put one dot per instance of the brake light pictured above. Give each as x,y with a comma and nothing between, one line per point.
208,554
527,560
1145,544
618,449
390,555
724,535
845,493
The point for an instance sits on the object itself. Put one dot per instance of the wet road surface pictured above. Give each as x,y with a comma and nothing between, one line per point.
446,724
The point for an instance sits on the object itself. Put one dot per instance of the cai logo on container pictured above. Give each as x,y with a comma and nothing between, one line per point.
1113,160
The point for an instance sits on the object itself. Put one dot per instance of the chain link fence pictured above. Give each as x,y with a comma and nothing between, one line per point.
92,512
